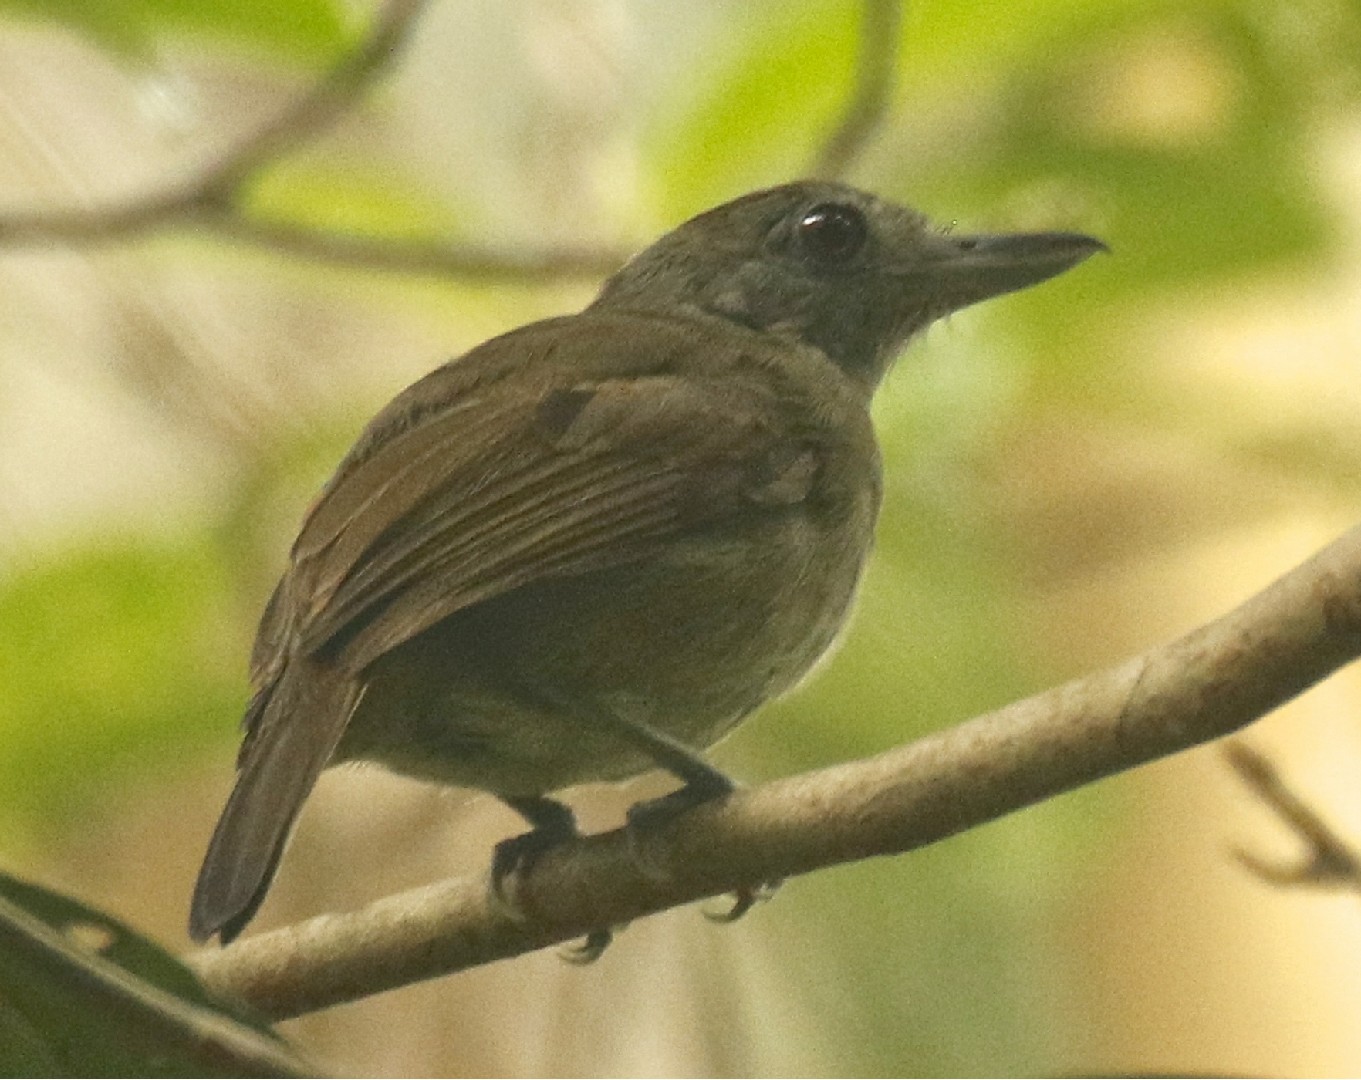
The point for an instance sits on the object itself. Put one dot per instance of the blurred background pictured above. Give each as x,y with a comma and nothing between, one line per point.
1073,474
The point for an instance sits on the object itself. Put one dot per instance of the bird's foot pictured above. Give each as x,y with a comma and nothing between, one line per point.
744,899
553,824
654,812
589,948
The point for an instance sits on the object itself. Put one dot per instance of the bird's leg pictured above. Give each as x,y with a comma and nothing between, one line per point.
701,783
553,823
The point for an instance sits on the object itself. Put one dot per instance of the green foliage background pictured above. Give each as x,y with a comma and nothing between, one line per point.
122,647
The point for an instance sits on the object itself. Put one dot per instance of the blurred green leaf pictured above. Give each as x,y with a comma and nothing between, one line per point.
116,943
110,658
767,104
1193,199
302,30
762,111
82,995
349,201
1012,113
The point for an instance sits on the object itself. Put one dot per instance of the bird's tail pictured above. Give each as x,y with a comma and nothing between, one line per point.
293,727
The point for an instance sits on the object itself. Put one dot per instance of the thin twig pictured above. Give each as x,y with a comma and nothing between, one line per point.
219,183
876,68
1329,861
212,199
1205,685
335,95
431,257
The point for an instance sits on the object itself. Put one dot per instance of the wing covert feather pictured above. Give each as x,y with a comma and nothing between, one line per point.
505,488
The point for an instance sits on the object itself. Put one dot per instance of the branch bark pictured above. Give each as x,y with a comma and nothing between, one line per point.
1200,687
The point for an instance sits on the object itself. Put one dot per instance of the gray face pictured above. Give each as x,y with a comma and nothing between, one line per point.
833,267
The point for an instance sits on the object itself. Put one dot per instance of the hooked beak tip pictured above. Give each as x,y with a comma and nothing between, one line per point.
975,268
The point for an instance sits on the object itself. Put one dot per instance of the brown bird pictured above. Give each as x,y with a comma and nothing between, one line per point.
593,545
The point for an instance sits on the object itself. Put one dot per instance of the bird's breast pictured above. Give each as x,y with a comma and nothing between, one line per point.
688,642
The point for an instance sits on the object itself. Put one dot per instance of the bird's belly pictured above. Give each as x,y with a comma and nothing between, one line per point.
506,696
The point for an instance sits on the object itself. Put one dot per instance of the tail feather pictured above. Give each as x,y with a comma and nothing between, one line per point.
294,727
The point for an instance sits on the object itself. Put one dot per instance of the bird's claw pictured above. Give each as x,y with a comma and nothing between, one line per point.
511,859
743,900
588,949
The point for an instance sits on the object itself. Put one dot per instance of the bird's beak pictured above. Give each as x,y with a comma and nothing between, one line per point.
967,269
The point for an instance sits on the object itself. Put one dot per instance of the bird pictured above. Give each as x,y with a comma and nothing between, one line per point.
591,546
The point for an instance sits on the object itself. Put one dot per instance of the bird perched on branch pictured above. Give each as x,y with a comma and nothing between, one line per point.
593,545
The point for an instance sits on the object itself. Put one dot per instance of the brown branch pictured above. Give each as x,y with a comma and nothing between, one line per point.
874,78
1205,685
211,200
1329,861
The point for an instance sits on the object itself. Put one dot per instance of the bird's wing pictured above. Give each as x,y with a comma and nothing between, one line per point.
503,487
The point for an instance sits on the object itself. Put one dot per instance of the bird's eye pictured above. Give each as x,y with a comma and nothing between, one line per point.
832,233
